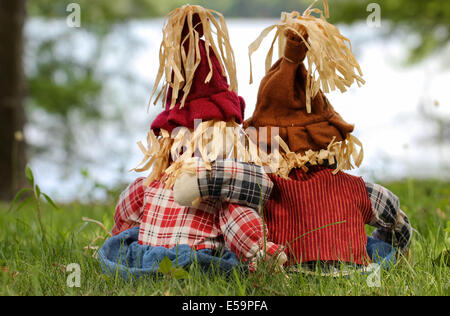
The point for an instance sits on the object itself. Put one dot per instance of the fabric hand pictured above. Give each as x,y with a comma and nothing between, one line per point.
185,189
228,181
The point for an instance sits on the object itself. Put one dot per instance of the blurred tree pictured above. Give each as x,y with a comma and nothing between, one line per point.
12,93
66,86
429,20
104,12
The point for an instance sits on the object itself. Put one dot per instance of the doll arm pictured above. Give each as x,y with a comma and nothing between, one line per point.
129,209
228,180
392,224
246,235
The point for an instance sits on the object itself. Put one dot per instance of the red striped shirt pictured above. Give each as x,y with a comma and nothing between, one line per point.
308,201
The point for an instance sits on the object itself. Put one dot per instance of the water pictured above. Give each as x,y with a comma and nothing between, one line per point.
397,138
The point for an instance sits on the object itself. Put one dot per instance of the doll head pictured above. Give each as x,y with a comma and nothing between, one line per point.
292,98
202,110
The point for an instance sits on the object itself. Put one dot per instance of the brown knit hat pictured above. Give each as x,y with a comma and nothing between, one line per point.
282,103
310,133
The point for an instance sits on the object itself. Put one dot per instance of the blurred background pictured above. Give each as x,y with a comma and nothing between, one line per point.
73,100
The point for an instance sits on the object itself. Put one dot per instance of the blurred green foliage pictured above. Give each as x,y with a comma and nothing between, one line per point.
56,83
102,11
430,20
98,11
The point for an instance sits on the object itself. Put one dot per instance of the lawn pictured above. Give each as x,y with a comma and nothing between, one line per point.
31,266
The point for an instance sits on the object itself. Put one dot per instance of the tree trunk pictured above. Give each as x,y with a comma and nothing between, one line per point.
12,92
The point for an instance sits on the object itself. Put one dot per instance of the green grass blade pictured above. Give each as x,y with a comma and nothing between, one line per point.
17,197
50,201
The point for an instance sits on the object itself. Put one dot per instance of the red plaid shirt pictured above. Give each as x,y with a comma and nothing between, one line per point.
220,220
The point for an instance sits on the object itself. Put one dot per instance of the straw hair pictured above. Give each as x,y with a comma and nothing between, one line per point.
331,64
344,154
177,65
213,140
209,141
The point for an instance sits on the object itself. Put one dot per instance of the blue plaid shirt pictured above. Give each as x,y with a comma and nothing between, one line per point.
392,224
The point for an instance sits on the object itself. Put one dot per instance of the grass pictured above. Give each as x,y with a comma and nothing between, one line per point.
30,265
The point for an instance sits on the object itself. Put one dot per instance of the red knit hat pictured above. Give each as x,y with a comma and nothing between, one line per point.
206,101
198,87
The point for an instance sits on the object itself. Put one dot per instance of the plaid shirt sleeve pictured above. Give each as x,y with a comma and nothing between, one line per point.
235,182
392,224
130,208
243,231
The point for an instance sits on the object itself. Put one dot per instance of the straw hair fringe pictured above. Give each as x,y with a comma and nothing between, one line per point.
213,140
209,141
177,66
340,153
330,65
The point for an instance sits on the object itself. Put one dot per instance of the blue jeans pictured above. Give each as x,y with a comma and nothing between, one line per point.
123,254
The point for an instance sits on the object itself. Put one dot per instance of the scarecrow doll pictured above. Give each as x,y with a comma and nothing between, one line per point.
194,145
316,210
